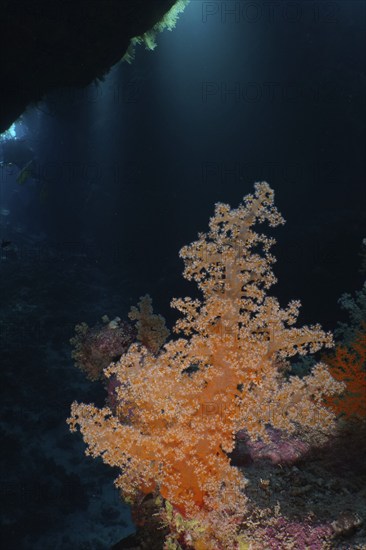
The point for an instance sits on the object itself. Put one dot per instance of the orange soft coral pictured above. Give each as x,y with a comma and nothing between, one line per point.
151,329
348,364
179,410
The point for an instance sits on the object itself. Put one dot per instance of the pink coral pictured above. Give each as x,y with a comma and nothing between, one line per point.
96,347
281,448
300,535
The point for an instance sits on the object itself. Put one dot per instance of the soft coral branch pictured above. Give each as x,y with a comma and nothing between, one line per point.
179,410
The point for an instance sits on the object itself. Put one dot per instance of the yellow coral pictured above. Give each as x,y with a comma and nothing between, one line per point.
179,410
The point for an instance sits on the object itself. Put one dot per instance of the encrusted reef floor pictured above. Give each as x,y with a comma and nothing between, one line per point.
317,502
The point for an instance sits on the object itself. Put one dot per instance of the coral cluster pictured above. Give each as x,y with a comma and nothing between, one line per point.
149,37
348,364
96,347
178,409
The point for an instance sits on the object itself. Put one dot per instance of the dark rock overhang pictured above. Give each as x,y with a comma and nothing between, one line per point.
50,44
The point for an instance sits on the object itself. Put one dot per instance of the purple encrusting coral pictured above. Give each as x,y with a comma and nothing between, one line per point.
96,347
299,535
281,449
